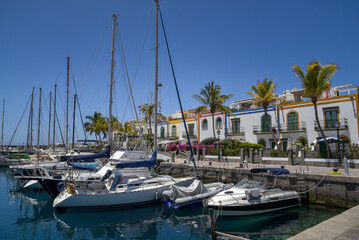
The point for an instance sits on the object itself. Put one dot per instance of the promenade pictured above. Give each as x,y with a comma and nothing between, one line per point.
292,168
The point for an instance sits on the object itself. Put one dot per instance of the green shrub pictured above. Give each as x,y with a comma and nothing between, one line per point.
353,152
277,153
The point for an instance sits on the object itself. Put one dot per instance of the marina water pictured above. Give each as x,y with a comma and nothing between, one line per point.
30,215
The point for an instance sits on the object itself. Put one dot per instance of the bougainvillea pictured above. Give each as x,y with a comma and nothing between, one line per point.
174,147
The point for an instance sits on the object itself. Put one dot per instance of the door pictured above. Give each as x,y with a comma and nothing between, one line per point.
285,144
292,121
331,117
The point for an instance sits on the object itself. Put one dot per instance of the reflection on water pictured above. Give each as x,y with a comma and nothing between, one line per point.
30,215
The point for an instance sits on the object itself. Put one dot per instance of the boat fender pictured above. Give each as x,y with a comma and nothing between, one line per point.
71,188
156,195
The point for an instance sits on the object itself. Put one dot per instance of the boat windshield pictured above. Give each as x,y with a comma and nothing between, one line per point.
246,184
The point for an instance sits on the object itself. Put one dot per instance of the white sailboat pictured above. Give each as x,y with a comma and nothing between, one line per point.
119,189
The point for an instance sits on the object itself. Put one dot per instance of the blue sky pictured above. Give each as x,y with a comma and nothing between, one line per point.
232,42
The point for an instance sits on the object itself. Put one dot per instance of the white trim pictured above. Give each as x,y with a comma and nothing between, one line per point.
274,159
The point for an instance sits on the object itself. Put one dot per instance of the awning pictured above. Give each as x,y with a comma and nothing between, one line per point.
167,141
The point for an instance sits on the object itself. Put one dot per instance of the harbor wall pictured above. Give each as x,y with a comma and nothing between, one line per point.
331,190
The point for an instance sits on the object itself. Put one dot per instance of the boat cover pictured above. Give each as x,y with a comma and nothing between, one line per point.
195,188
118,179
104,154
82,166
275,171
141,163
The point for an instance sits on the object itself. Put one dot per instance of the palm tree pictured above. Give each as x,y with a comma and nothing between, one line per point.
92,125
210,96
96,125
315,81
148,111
264,95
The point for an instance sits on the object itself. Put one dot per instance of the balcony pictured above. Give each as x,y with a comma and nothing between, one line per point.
166,136
162,136
257,129
285,128
191,134
332,124
173,137
235,132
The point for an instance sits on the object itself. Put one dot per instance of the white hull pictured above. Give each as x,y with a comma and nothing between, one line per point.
32,184
233,213
105,199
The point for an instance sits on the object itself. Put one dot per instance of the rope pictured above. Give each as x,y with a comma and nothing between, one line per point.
314,186
19,123
175,81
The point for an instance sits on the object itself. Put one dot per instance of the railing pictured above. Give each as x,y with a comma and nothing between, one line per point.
191,134
300,127
258,129
231,131
173,137
332,124
162,136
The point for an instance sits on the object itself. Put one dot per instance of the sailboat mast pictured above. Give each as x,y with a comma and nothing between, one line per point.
73,123
156,78
39,121
111,80
49,132
67,106
29,126
2,124
53,130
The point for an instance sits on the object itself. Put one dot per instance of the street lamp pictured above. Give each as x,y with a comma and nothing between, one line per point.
337,125
218,133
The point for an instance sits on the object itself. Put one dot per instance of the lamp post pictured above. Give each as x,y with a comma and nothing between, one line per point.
218,133
337,125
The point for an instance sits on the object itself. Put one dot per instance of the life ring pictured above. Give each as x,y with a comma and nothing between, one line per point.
71,188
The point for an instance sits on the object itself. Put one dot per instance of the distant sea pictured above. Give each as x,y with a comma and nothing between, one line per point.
30,215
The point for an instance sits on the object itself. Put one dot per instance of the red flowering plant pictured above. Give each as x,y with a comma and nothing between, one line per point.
185,147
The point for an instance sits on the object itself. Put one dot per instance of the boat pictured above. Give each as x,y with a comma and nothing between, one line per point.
252,198
178,197
118,189
50,175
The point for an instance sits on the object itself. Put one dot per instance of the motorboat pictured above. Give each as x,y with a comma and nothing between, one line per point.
183,197
252,198
119,189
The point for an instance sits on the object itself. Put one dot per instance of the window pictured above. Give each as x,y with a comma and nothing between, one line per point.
174,131
292,120
236,126
330,117
219,123
162,132
205,124
264,124
191,129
